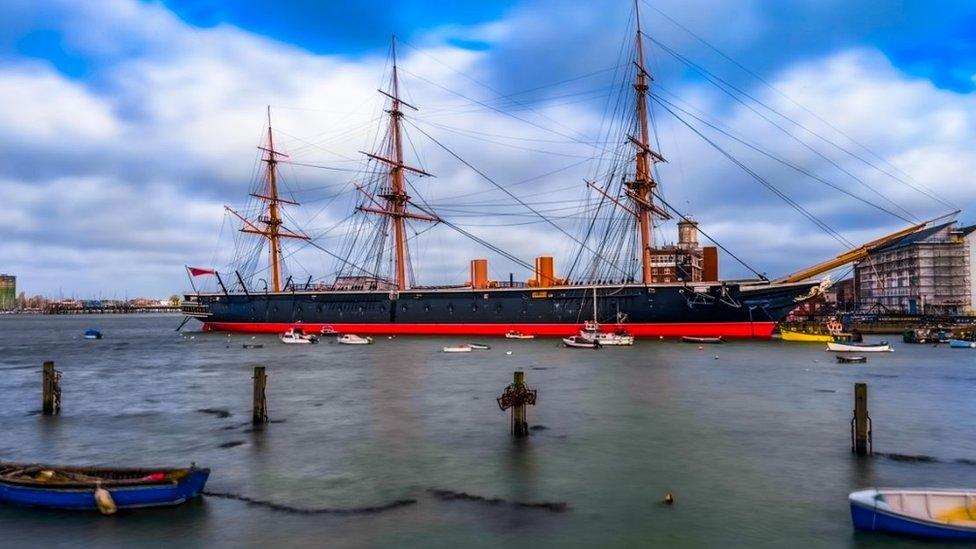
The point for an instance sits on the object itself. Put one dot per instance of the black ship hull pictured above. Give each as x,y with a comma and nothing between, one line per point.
731,309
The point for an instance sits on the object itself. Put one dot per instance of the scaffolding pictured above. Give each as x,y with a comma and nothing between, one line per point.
926,275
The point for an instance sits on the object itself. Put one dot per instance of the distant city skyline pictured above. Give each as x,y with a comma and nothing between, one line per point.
125,126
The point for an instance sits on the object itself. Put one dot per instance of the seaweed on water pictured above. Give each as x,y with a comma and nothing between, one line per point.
905,458
451,495
313,511
216,412
232,444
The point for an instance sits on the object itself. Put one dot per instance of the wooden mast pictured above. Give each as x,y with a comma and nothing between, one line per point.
397,199
640,190
274,219
395,195
270,225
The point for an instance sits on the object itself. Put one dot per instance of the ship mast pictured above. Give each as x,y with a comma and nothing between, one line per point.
395,195
640,191
269,225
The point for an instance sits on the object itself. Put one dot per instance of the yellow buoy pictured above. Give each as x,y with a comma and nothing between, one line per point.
668,498
104,501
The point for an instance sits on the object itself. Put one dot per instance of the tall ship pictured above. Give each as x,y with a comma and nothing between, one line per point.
620,278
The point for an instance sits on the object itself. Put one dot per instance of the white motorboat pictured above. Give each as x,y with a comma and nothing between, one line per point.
353,339
298,336
457,349
328,330
579,342
591,332
515,334
882,347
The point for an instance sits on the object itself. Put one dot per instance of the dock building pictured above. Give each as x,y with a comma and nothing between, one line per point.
8,292
929,272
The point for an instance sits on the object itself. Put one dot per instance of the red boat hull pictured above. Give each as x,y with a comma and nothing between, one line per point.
697,329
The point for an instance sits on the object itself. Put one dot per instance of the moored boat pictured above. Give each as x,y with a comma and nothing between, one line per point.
353,339
479,346
591,332
98,488
92,333
457,349
859,347
712,340
962,344
935,514
579,342
297,335
851,359
328,330
792,335
515,334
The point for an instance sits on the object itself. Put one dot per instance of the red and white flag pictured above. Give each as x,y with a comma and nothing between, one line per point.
196,271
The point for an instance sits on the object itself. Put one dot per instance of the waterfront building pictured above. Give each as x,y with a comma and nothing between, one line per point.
687,261
929,272
8,292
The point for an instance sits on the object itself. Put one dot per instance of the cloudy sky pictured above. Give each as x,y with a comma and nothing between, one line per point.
126,126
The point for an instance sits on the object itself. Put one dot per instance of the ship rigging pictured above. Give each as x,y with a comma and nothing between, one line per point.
616,262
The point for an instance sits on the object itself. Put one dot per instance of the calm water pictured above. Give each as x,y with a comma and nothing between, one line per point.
754,444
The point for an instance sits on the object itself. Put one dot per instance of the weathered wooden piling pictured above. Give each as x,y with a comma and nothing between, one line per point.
51,390
517,396
259,413
861,440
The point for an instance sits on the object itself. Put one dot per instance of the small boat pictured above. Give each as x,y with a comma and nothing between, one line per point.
934,514
479,346
962,344
297,335
515,334
458,349
353,339
851,359
882,347
689,339
98,488
791,335
328,331
591,332
579,342
253,346
92,333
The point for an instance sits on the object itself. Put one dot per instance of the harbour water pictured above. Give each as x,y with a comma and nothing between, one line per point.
752,438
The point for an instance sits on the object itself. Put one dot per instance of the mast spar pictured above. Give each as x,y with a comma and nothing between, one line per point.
269,225
395,194
640,191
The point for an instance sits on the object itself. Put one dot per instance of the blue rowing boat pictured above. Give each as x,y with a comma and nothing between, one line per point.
98,488
934,514
962,344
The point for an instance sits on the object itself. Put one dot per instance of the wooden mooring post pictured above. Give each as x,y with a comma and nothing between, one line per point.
51,390
861,439
517,396
259,413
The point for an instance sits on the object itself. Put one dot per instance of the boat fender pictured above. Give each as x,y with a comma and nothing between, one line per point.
104,501
668,498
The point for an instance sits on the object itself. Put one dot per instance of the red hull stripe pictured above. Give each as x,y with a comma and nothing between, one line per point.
697,329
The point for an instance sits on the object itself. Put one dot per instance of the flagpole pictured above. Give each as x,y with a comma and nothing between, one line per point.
190,276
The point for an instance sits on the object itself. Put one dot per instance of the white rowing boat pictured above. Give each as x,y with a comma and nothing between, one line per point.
882,347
